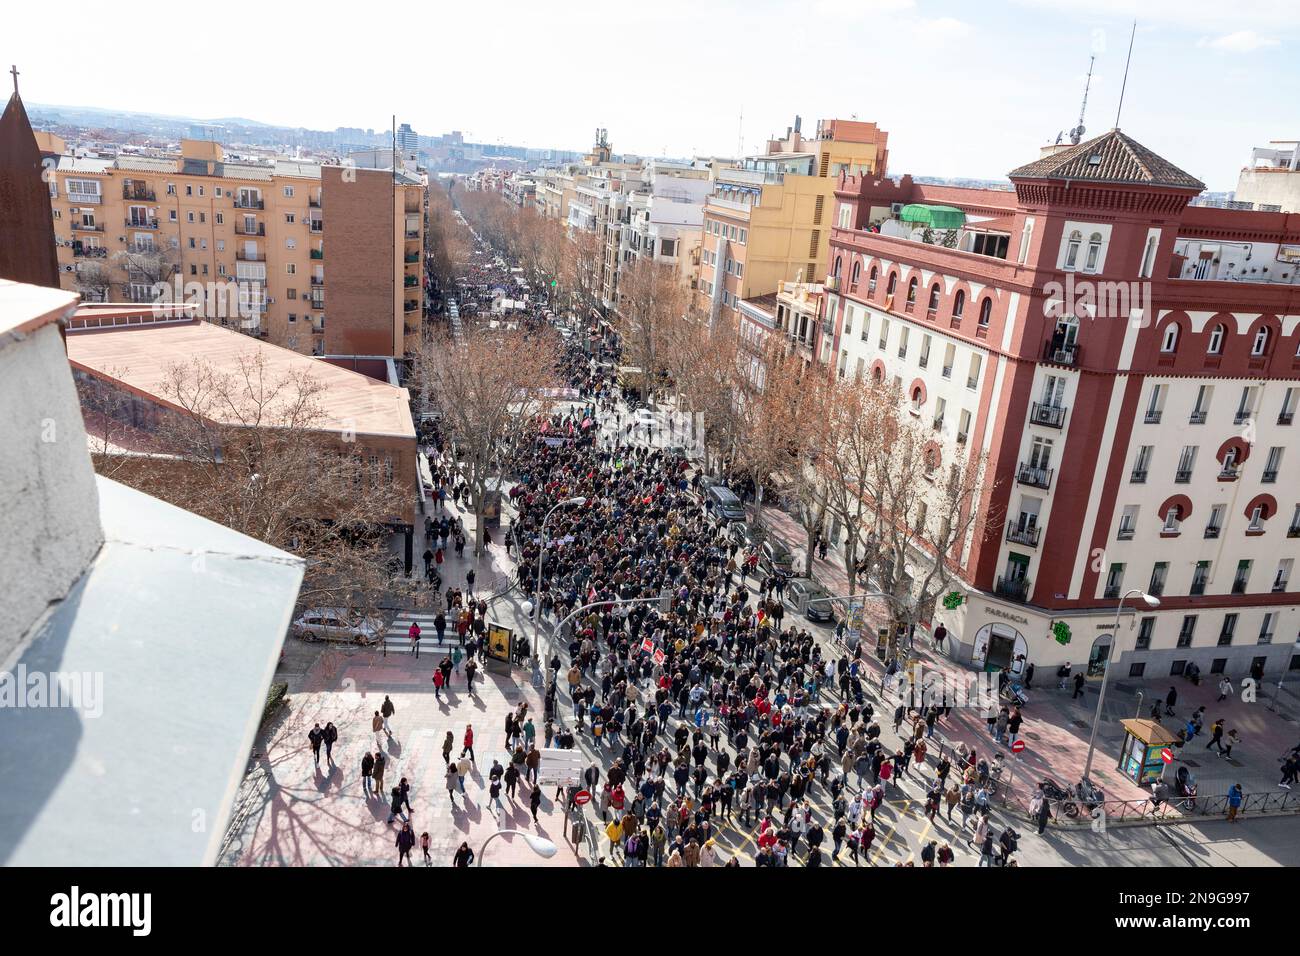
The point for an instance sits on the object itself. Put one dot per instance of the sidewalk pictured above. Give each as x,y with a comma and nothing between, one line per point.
1057,727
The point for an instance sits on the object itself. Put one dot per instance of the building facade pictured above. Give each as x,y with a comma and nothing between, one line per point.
1136,416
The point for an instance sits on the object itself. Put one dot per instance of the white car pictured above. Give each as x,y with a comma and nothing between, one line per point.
645,418
337,624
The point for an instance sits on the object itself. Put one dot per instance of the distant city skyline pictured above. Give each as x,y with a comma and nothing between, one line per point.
963,91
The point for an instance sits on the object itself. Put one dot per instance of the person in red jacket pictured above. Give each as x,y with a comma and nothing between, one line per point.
469,743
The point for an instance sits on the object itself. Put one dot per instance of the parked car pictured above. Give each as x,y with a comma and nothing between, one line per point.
747,535
774,556
808,595
726,506
337,624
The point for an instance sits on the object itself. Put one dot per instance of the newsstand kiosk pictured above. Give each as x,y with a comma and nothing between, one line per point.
1139,758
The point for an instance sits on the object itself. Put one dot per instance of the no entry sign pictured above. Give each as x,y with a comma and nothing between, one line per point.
1167,755
1018,746
582,797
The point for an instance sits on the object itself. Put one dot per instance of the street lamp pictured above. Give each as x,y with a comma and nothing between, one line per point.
541,553
1151,602
539,845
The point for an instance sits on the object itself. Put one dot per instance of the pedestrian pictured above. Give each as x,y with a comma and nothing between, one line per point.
453,781
424,845
1289,767
405,841
437,683
469,581
1079,681
413,633
1231,740
1225,687
468,742
1171,698
1216,736
464,856
377,725
535,801
1235,797
448,743
380,762
395,810
315,736
367,769
387,710
328,736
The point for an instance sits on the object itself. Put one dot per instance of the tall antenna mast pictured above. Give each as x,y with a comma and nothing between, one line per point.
1119,109
1076,134
740,134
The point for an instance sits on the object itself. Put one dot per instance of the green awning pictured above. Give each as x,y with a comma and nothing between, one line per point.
937,217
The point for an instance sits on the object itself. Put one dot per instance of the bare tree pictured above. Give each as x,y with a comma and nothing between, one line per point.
94,279
252,449
655,332
489,390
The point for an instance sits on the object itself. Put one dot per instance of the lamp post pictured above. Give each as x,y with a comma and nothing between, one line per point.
1151,602
541,555
539,845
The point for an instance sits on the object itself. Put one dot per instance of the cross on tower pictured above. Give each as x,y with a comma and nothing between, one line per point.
14,70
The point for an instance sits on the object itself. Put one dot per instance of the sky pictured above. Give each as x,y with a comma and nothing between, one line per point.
967,88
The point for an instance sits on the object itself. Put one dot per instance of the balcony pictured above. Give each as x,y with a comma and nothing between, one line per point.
138,193
1026,536
1197,417
1111,592
410,306
1034,476
247,202
313,203
85,199
318,253
413,234
411,257
141,222
318,281
1198,586
1293,531
1285,418
1278,588
1125,534
1139,476
1229,473
409,281
1017,589
246,255
1053,416
1212,530
1242,416
1239,586
82,227
1062,354
257,230
1152,417
1269,476
89,252
909,307
1182,476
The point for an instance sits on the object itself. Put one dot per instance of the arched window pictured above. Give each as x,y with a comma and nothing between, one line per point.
1216,341
1094,252
857,271
917,399
986,311
1169,343
1149,258
959,304
1260,345
893,284
1072,249
877,374
839,262
871,281
934,298
911,291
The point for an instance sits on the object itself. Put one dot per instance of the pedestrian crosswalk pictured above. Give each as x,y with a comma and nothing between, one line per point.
397,637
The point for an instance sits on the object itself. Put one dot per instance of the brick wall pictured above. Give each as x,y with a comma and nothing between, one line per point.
360,290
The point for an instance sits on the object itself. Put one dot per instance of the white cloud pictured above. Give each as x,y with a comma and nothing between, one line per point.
1243,41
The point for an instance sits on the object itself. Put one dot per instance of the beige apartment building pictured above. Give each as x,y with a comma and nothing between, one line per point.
769,218
248,242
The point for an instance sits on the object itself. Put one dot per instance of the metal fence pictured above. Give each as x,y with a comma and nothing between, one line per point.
1174,810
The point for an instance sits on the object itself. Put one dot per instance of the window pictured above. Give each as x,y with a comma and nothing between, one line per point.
1094,252
1200,577
1114,580
1170,341
1228,629
1186,631
911,291
1283,576
1159,573
1260,345
1186,462
1141,464
1148,259
963,426
924,359
1156,404
1025,236
1216,341
1128,522
1273,465
902,341
973,375
949,358
893,283
1145,630
291,268
986,312
1242,577
1201,410
1287,414
288,192
1173,517
1266,628
293,316
857,272
958,303
1072,249
884,334
1138,668
288,217
934,298
189,216
839,263
1215,524
1246,407
1256,519
871,281
848,320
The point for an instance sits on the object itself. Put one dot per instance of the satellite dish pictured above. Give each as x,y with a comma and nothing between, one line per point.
1076,134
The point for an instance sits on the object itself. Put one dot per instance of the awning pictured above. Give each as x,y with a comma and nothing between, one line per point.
1000,224
937,217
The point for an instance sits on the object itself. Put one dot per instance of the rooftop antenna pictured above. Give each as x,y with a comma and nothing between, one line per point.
1119,109
1076,134
740,133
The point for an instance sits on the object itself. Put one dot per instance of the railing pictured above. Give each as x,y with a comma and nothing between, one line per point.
1197,417
412,234
1174,810
242,203
1062,354
1239,586
313,203
1293,531
1241,417
1152,416
1285,418
318,280
1125,534
1182,476
410,306
84,199
1211,531
318,253
1229,473
1053,416
138,194
1034,476
244,255
145,223
258,230
1027,536
1139,476
1198,587
1111,592
411,257
410,281
1017,589
82,227
315,225
1269,476
89,252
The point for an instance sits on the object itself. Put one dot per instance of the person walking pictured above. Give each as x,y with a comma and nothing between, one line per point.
1231,740
379,763
453,782
1171,698
1235,797
395,810
464,856
469,577
1079,681
387,710
448,744
315,736
468,747
328,736
424,846
1289,768
437,683
535,801
1225,687
367,768
377,725
413,633
1216,736
405,841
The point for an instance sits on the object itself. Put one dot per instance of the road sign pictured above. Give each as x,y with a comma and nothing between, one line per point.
582,797
1167,755
1018,746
